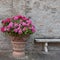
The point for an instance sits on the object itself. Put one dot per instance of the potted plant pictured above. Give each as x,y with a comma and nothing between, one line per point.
19,28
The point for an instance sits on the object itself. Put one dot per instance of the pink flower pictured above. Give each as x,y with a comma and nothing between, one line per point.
28,24
21,21
10,25
3,21
7,28
30,27
6,21
20,31
29,21
15,24
24,24
3,29
19,16
24,18
16,18
24,29
33,29
33,26
18,28
19,24
15,30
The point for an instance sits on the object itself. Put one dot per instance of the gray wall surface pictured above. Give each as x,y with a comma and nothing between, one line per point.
45,15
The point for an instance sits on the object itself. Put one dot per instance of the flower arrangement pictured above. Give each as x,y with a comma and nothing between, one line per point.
18,26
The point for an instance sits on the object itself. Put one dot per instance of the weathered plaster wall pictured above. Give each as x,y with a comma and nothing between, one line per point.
45,14
5,8
9,8
46,17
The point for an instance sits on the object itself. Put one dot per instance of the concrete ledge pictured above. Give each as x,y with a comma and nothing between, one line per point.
46,40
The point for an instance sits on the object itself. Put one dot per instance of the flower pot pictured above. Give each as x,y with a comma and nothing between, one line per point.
18,45
15,27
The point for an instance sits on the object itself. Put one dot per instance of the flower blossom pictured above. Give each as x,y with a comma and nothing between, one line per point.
15,30
16,18
24,24
10,25
24,18
15,24
18,24
6,21
24,29
20,31
29,21
33,29
3,29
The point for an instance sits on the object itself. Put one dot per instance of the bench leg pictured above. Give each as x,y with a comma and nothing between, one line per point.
46,47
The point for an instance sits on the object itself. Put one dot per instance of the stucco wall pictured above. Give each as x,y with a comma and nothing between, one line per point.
45,15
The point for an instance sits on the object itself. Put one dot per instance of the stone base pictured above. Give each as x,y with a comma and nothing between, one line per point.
19,55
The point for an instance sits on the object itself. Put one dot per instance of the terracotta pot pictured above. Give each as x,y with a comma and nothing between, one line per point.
18,45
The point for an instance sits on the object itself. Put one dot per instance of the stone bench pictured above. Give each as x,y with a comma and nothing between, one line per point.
46,41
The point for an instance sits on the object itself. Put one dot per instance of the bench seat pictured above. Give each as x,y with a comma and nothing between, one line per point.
46,41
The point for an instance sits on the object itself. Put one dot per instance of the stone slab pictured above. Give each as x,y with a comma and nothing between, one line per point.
47,40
